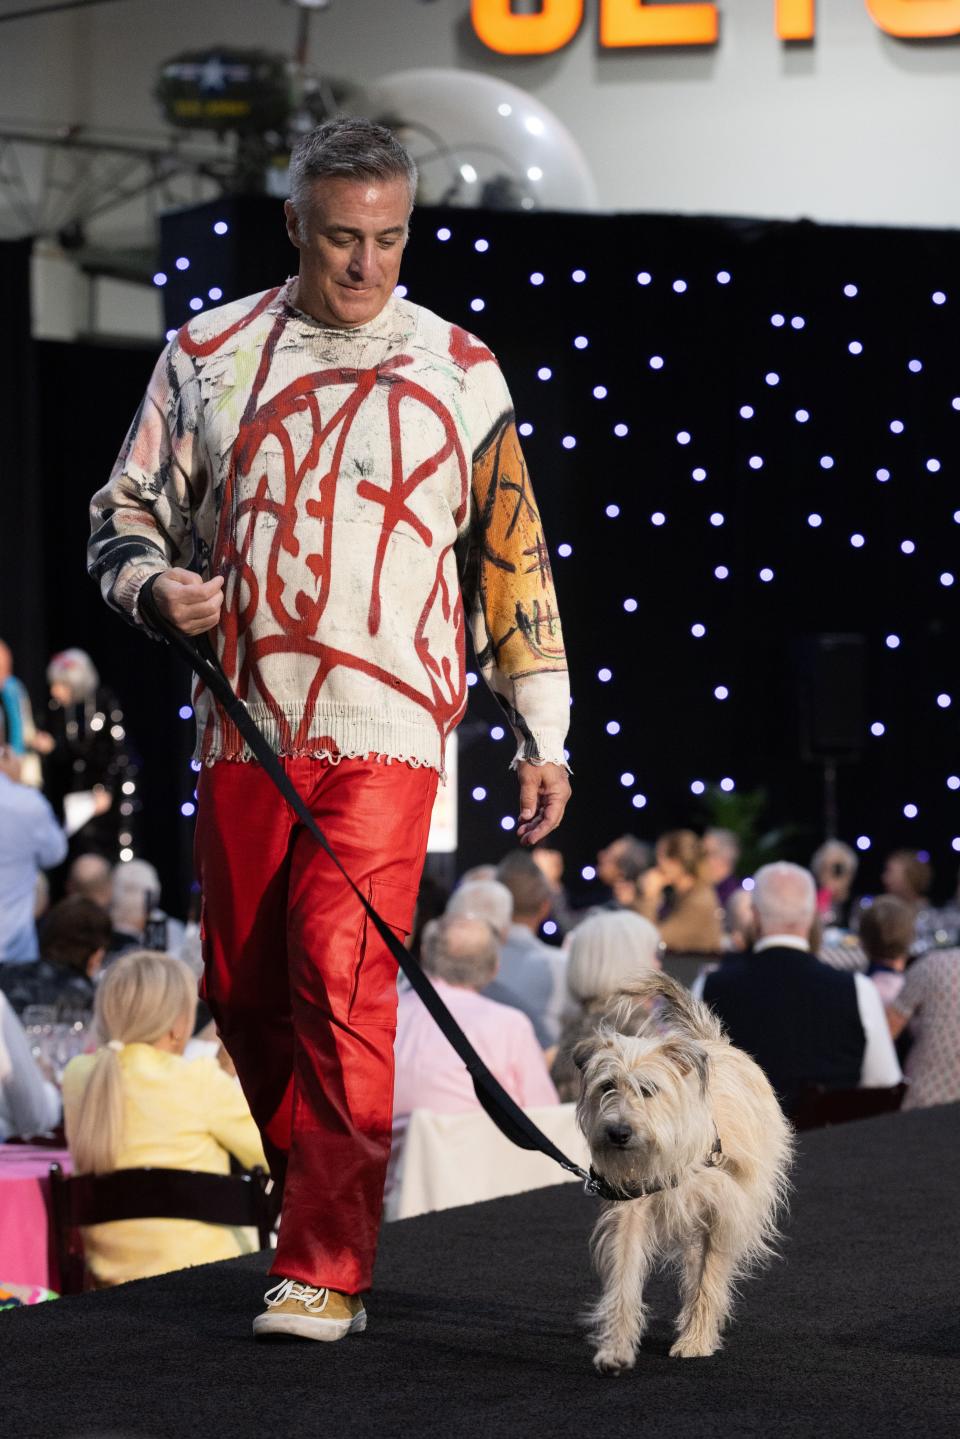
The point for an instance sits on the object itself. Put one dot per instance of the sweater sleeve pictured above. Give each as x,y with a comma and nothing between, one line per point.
509,595
141,522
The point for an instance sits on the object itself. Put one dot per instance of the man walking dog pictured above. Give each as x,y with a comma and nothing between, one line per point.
343,469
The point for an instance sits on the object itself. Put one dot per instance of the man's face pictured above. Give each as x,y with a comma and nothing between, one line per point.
351,241
608,863
895,878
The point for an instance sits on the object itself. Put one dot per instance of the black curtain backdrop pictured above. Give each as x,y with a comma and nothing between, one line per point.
700,371
21,519
88,395
741,426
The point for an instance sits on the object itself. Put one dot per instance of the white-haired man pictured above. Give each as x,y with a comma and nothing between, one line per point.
349,465
485,899
802,1021
489,900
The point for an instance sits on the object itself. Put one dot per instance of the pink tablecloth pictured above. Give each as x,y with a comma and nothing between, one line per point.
24,1213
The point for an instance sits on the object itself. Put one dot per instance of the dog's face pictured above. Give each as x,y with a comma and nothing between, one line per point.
644,1107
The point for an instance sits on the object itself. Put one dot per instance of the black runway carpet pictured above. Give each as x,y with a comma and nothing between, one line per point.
473,1329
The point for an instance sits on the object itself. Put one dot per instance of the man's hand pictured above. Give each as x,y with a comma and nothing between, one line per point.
544,792
102,799
191,604
652,884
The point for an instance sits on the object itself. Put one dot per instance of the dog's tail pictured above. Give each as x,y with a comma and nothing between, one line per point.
673,1003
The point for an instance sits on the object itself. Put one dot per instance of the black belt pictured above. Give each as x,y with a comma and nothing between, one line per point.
504,1111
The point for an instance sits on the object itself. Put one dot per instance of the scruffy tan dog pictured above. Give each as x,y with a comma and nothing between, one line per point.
689,1130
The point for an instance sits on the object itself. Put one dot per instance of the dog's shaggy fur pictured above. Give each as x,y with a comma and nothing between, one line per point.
657,1090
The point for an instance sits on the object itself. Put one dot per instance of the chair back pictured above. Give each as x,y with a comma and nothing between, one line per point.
818,1107
240,1200
443,1160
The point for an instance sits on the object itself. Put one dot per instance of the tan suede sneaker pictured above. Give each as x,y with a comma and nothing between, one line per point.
309,1313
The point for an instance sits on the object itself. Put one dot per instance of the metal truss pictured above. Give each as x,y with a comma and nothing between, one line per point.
59,181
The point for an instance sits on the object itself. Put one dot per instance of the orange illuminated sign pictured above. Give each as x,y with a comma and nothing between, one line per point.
638,24
628,23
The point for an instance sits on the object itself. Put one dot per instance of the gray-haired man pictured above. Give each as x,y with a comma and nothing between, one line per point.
343,468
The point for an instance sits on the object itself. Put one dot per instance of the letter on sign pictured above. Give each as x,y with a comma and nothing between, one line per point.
631,22
796,19
916,19
498,26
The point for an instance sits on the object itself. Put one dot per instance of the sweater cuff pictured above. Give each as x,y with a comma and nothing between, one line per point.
543,746
130,582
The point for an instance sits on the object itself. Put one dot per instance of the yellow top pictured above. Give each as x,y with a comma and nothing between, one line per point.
177,1114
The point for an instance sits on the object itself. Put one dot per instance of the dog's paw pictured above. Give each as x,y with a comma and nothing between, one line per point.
613,1361
692,1347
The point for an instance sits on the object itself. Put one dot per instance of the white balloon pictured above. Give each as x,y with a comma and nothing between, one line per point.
480,141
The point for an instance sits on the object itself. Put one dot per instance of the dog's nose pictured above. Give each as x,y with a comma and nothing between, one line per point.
619,1134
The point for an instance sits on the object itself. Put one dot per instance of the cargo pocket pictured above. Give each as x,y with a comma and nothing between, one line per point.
373,998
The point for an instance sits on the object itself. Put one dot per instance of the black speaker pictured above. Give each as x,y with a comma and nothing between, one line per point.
831,701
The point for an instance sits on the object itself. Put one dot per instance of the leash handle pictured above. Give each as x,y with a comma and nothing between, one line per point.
506,1114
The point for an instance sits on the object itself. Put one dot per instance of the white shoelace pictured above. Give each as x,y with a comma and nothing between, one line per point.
313,1300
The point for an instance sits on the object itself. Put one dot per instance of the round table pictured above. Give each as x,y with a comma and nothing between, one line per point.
25,1250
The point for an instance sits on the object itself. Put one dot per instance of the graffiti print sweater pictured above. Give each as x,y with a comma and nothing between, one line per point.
364,495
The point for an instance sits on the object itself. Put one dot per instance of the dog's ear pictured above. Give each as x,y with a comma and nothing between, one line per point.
582,1051
689,1057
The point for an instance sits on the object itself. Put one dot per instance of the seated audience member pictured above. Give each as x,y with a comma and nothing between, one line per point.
135,897
908,877
73,943
30,841
720,851
834,868
479,871
533,975
91,876
29,1103
489,900
674,897
607,953
550,862
886,934
619,866
802,1021
930,1003
740,922
137,1102
486,899
460,956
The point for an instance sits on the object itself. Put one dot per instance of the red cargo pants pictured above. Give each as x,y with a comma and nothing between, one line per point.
303,990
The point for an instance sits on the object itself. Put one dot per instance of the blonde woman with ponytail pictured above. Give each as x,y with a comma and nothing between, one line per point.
136,1101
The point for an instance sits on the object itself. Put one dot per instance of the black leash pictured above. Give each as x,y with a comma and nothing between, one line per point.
504,1111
